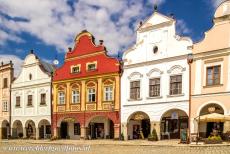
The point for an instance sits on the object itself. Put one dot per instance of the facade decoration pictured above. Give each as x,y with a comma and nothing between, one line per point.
154,92
6,78
86,91
211,77
31,99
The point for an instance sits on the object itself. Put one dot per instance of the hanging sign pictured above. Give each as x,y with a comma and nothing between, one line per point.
174,115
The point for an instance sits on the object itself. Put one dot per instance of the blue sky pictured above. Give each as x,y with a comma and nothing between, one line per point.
49,27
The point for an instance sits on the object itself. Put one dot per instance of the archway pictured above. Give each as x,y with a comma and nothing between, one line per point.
5,129
207,128
69,128
17,130
138,126
172,122
100,127
30,129
44,129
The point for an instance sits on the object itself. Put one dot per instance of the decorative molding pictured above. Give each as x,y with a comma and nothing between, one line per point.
135,73
176,67
154,70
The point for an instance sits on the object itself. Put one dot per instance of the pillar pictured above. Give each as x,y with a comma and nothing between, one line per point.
157,126
226,126
83,99
37,133
116,131
124,130
83,132
24,132
117,92
99,96
55,131
68,97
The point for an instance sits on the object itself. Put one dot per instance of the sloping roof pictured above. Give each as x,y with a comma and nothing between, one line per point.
48,68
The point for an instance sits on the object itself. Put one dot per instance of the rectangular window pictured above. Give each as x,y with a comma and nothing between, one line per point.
135,90
91,67
108,93
29,101
75,96
213,75
43,99
154,87
5,83
5,106
77,129
91,95
61,97
75,69
17,101
176,85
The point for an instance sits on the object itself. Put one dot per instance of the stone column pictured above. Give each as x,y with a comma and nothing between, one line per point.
116,131
37,133
55,131
226,126
24,132
124,130
0,133
68,97
100,92
157,126
83,132
83,99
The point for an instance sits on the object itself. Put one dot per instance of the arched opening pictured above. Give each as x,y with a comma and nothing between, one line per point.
44,129
5,129
100,127
69,129
172,122
17,130
30,129
138,126
208,127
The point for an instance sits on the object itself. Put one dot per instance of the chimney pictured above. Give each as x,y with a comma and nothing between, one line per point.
32,51
171,15
155,8
140,24
101,42
2,63
69,49
10,61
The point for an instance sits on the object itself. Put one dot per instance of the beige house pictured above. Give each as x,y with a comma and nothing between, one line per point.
210,76
6,77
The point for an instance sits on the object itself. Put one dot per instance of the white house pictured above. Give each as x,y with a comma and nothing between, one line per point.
155,81
31,99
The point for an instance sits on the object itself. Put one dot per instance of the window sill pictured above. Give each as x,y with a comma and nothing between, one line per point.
91,102
112,101
78,103
211,86
92,70
43,104
29,106
60,104
177,95
75,73
139,99
5,111
155,97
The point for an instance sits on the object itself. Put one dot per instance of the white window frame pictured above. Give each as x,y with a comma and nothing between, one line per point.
75,96
4,106
91,92
108,93
61,98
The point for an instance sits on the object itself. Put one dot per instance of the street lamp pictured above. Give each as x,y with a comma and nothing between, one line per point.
189,61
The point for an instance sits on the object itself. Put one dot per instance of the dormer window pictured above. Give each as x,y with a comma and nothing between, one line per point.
92,66
75,69
155,49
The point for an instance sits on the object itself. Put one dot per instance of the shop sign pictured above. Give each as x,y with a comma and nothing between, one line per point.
174,115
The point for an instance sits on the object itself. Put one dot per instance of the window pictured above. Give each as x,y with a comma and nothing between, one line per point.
154,87
17,101
5,83
91,95
155,49
43,99
61,97
5,106
175,85
29,101
91,67
77,129
135,90
213,75
75,96
108,93
30,76
75,69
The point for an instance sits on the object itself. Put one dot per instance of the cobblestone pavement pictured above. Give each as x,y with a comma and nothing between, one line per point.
94,147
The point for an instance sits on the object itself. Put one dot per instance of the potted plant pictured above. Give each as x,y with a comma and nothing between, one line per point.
216,139
153,135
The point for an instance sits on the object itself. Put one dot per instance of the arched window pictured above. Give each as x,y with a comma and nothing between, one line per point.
30,76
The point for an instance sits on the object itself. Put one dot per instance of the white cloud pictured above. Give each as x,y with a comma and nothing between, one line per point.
182,27
56,22
16,61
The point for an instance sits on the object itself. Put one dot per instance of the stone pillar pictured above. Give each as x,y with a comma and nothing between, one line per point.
83,132
117,93
0,133
116,131
37,133
124,130
226,126
55,131
157,126
83,99
24,132
68,97
100,94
